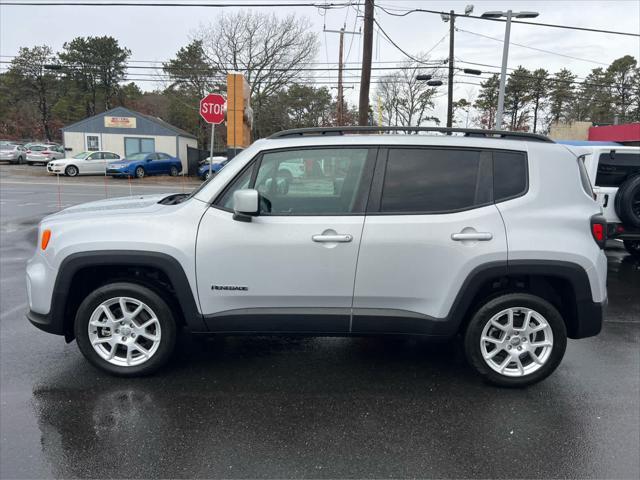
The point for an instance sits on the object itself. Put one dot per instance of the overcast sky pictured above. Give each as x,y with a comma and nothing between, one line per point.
156,33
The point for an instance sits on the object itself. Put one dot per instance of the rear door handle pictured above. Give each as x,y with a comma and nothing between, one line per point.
332,238
479,236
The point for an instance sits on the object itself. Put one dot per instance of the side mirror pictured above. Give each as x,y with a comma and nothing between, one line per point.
245,204
149,159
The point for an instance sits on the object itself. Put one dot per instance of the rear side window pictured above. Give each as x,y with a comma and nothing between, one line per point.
435,181
614,168
584,177
509,175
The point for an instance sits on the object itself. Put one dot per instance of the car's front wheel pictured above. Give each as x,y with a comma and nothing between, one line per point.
140,172
633,247
125,329
71,171
173,171
516,340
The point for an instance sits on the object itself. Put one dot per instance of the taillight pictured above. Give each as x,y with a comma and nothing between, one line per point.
599,230
28,151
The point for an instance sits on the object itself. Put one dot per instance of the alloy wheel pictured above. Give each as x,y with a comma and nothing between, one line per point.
139,172
124,331
516,342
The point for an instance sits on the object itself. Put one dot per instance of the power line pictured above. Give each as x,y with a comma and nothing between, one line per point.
532,48
476,17
396,45
327,6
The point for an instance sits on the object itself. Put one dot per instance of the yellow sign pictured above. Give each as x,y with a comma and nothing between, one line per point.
120,122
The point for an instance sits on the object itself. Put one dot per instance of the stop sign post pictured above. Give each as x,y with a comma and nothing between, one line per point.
212,111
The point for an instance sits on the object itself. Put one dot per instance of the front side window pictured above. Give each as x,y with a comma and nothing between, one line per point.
322,181
311,182
421,180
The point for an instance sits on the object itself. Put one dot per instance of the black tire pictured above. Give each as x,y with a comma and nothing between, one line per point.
627,202
633,247
140,172
124,289
484,314
173,171
71,171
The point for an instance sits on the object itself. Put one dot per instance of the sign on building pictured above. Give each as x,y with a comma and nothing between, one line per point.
120,122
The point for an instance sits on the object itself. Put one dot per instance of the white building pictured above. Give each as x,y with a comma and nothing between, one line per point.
126,132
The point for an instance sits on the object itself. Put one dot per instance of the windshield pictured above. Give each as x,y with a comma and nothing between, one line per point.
137,156
82,155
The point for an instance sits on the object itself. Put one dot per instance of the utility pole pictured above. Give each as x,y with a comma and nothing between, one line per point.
340,91
509,14
340,109
367,51
452,29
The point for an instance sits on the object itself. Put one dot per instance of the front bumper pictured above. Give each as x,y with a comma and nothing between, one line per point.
55,170
118,173
45,322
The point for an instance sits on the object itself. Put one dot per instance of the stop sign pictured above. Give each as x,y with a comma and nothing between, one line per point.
212,108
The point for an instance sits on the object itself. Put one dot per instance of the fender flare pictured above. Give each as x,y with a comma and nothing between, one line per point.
133,258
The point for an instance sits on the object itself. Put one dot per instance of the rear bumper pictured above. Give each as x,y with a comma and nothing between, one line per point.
590,317
622,232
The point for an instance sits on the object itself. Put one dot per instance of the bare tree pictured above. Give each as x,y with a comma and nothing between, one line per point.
271,51
405,100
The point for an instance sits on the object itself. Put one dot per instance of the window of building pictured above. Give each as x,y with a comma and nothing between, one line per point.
138,145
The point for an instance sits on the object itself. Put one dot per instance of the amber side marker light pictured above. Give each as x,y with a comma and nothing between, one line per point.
46,236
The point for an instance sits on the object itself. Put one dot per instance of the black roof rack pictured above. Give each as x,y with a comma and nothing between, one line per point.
468,132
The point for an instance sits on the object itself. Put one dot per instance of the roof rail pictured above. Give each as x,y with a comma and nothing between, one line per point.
468,132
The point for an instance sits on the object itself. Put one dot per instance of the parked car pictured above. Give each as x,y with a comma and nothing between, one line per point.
491,236
615,174
84,163
12,153
141,164
42,154
216,165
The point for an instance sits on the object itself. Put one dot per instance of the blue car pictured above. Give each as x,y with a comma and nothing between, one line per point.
141,164
216,165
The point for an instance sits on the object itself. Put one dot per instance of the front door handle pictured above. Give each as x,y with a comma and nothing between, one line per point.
478,236
333,238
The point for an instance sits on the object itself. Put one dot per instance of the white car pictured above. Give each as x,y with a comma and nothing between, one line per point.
615,175
494,237
84,163
41,153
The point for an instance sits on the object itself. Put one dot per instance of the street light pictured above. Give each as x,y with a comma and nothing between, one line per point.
509,14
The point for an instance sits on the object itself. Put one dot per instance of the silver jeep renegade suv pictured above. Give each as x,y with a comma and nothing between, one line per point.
491,236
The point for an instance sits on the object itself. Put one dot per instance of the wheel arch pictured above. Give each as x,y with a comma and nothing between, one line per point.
564,284
81,273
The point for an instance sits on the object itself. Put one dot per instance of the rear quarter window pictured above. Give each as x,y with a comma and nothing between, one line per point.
510,175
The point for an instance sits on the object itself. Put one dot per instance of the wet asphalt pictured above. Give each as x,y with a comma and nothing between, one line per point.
301,407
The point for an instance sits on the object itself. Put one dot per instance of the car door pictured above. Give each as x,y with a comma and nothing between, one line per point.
292,267
152,165
94,164
431,222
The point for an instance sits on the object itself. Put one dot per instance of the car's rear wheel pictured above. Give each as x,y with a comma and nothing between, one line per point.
71,171
173,171
125,329
633,247
140,172
516,340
